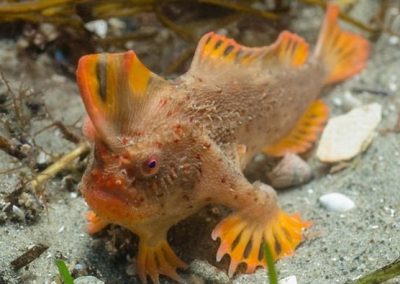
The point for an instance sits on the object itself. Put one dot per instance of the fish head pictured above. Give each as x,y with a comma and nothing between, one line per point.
145,154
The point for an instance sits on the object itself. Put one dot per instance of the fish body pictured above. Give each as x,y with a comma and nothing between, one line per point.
164,149
256,112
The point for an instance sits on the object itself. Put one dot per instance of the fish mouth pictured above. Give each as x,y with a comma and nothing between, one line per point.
114,204
113,195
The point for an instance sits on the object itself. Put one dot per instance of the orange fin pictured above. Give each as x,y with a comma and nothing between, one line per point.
156,259
304,134
242,240
218,54
290,50
114,88
344,54
95,224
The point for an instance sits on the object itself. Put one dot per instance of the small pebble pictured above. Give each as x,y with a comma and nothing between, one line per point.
26,148
88,280
130,269
42,158
288,280
73,195
116,26
18,212
49,31
392,87
208,272
336,202
5,206
79,270
290,171
259,158
337,101
350,101
99,27
58,78
393,40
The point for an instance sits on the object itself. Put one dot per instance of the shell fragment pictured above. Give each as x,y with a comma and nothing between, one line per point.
347,135
288,280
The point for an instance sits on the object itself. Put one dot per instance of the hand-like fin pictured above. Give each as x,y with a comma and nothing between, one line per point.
158,259
114,88
304,134
344,54
216,54
243,240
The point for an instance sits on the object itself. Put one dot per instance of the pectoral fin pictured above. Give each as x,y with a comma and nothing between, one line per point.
304,134
242,239
157,258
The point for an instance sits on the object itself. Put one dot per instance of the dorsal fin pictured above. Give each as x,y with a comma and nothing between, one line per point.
290,50
114,87
343,53
218,53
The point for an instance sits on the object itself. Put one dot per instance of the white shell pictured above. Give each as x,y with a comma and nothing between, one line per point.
99,27
336,202
88,280
288,280
347,135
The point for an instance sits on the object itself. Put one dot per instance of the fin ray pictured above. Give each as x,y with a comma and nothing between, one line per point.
343,53
158,259
281,231
304,133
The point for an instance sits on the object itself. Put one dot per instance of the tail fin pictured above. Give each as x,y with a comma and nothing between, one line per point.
343,53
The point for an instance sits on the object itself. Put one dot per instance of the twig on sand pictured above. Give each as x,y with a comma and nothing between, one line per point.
371,91
28,256
242,8
68,134
64,161
381,275
11,149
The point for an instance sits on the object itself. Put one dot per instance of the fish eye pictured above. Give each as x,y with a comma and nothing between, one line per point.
150,166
